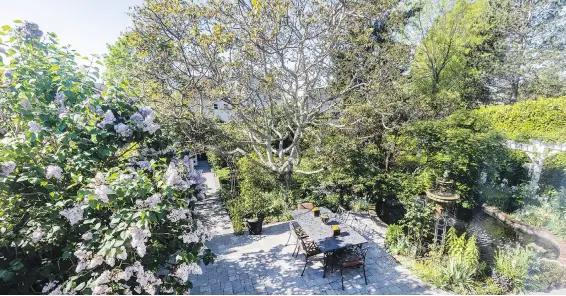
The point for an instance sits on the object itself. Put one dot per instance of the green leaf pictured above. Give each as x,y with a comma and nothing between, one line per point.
80,286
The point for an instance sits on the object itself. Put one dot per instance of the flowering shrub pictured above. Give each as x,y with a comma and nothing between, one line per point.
94,198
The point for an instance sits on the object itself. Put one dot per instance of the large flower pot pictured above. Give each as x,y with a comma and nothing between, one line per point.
255,226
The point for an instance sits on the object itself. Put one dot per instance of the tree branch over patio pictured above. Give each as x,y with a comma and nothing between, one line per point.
272,62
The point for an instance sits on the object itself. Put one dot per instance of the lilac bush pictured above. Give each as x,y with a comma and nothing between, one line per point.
94,197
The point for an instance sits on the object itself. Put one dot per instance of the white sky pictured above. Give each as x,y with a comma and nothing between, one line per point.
88,25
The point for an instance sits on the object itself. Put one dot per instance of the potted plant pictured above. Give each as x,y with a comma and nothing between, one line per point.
254,223
262,207
316,211
335,230
324,218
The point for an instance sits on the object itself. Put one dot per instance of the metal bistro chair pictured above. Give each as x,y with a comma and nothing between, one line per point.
310,249
343,215
296,230
352,258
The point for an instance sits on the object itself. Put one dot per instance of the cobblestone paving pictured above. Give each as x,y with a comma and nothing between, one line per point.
263,264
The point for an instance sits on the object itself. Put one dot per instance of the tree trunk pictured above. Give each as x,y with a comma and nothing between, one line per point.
435,80
514,90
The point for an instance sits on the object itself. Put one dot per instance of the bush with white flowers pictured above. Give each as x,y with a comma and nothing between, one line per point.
94,197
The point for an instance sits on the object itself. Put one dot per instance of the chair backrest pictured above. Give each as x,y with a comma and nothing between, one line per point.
362,252
310,247
296,229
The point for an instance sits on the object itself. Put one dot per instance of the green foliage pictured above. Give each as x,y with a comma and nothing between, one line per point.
91,186
542,119
546,275
456,268
461,144
514,263
549,212
419,222
215,160
449,31
359,205
395,240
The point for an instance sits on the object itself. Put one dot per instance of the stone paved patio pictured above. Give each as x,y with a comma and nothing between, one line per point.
263,264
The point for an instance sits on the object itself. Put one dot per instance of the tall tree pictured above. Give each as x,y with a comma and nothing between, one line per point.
529,52
447,32
270,61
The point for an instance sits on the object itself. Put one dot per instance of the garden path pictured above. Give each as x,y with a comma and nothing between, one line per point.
263,264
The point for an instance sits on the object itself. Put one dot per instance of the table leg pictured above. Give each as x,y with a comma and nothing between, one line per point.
325,264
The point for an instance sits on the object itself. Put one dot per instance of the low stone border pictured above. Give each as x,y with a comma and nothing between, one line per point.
540,233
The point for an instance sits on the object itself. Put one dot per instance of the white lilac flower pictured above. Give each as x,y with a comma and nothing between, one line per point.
101,192
184,270
37,235
137,120
30,30
134,99
25,105
149,126
144,164
104,278
124,130
95,261
99,178
34,127
82,255
139,237
108,119
101,290
145,111
483,177
60,99
110,260
53,171
80,120
150,202
190,237
57,291
148,281
172,177
49,287
178,214
188,162
99,110
87,236
6,168
195,177
74,214
3,50
124,177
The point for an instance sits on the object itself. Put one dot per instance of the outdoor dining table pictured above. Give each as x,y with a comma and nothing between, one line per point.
322,234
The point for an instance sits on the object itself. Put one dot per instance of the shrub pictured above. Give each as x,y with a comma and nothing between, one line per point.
359,205
454,266
542,119
237,212
96,198
546,275
549,212
396,241
514,263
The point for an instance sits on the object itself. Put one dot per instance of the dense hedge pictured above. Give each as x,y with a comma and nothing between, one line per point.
543,119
